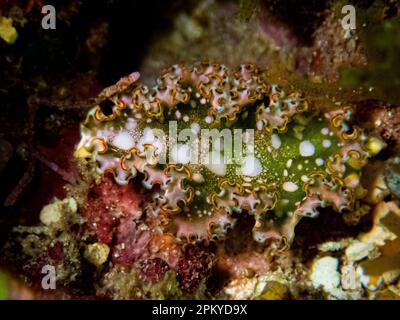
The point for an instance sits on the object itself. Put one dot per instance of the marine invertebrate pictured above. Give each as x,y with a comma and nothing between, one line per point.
289,159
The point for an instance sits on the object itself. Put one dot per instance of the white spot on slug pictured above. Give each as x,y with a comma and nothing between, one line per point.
195,127
215,163
218,144
181,153
130,124
251,166
289,186
276,141
306,148
198,177
123,140
208,119
304,178
326,143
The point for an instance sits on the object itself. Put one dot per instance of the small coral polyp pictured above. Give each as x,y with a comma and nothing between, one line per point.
297,161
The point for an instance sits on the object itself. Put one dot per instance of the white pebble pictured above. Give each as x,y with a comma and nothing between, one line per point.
324,273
